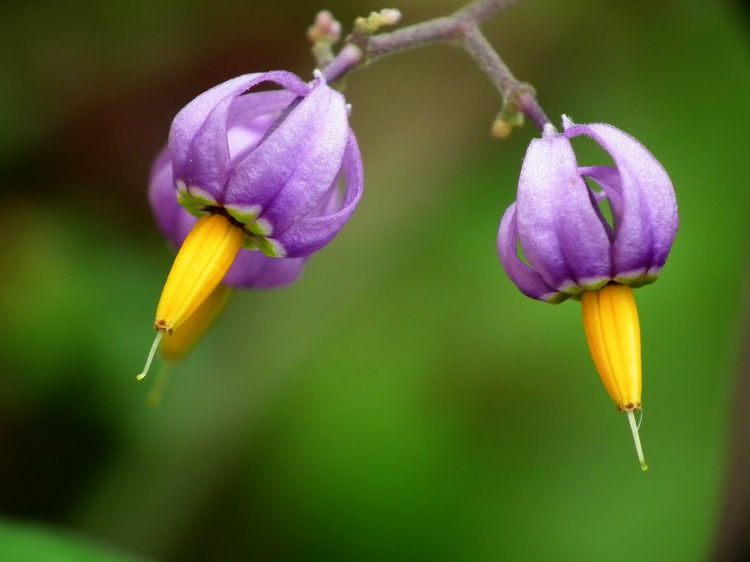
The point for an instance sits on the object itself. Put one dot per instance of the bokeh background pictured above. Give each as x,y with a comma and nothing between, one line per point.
402,401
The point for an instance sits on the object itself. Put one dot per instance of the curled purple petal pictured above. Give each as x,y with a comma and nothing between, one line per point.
526,279
316,163
561,233
250,118
243,135
173,221
645,215
264,172
247,107
198,136
311,233
609,180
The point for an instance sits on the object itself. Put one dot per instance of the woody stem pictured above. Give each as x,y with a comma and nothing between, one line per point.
460,28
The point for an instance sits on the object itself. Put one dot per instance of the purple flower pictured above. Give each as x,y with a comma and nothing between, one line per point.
558,222
272,161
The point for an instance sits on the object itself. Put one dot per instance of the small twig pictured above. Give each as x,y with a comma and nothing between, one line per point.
518,95
437,30
462,28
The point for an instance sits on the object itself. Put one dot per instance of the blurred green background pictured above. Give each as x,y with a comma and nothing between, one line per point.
402,401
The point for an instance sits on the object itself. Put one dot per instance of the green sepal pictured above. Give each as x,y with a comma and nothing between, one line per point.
256,229
246,219
595,286
253,242
190,204
557,298
636,282
265,246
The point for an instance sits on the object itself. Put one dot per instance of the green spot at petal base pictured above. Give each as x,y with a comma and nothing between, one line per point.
636,282
194,206
265,245
245,217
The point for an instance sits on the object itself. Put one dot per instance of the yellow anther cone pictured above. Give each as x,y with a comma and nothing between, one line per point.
202,262
610,320
174,347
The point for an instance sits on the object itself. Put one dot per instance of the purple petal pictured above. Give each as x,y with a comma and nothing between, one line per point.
608,178
526,279
253,270
561,234
287,155
173,221
198,136
257,111
250,269
250,106
250,117
316,167
646,221
311,233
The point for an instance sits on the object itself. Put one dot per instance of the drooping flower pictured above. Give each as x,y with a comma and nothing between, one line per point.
570,249
250,185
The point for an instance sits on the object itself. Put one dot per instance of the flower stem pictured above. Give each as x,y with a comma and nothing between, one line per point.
461,28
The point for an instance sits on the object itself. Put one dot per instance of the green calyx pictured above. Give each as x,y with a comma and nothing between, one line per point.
636,282
195,205
263,244
257,230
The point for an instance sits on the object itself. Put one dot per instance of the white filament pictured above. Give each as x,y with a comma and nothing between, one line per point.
154,347
637,440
